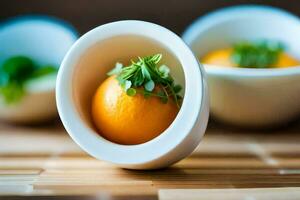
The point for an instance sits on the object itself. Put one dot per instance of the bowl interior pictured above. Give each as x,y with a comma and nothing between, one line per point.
100,58
43,39
226,27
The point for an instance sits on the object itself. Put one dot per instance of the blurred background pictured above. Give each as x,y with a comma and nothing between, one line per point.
86,14
45,161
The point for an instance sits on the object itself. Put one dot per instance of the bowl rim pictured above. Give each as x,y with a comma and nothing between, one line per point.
12,21
222,15
132,156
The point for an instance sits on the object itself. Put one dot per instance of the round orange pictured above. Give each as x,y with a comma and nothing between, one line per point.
129,120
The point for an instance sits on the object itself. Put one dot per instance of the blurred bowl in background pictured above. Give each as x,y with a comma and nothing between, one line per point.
45,40
249,97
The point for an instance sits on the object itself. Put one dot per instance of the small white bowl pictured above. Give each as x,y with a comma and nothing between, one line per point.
249,97
46,40
85,67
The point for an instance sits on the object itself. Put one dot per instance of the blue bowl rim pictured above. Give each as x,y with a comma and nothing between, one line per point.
215,14
212,17
39,17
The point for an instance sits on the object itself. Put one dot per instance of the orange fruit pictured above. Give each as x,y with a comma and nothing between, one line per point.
129,120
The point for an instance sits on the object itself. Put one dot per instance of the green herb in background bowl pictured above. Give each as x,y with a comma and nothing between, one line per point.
258,54
15,72
262,54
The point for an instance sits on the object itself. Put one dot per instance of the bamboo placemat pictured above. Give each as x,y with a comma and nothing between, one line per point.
45,161
231,194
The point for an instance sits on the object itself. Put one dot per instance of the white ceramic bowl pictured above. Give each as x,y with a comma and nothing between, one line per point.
46,40
249,97
85,67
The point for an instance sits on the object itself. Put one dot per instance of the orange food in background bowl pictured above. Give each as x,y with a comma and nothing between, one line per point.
218,57
285,60
250,96
222,57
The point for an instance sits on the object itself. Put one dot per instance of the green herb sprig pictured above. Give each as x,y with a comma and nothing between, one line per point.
144,75
261,54
15,72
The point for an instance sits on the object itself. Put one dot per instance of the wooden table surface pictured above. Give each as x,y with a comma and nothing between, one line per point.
44,161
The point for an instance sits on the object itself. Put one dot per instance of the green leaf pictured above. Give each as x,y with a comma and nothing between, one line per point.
164,70
177,88
43,71
261,54
154,59
4,78
145,72
127,85
18,68
15,72
116,70
120,80
131,92
138,80
161,93
149,86
12,92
